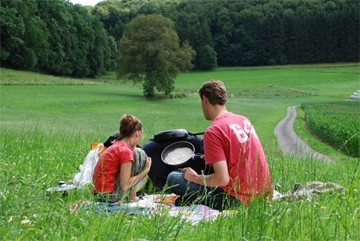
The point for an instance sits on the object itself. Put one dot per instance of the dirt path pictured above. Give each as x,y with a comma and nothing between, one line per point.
290,143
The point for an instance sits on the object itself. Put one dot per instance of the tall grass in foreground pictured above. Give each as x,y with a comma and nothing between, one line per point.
34,161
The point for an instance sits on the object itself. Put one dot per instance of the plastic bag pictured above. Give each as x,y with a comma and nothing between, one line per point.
87,168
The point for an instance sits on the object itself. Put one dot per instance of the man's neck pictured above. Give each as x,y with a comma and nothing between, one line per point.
219,111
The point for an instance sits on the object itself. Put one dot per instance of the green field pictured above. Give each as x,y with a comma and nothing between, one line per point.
48,124
336,123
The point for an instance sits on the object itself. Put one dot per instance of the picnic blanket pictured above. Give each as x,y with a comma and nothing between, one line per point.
148,206
154,204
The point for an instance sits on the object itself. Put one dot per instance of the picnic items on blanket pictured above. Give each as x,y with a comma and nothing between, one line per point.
103,207
149,206
194,213
146,202
168,199
61,187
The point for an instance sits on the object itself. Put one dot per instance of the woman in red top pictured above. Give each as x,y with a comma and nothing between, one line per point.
118,169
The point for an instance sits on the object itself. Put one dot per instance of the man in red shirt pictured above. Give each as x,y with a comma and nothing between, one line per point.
233,149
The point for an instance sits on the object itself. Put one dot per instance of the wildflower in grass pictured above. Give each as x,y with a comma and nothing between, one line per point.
26,221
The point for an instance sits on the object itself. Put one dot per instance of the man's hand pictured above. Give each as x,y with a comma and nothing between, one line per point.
190,175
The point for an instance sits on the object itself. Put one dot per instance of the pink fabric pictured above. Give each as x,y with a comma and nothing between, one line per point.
108,167
232,138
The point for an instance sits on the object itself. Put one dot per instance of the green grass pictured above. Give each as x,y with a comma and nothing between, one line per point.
16,77
336,123
46,131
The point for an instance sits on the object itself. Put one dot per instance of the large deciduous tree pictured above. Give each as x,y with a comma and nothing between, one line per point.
150,53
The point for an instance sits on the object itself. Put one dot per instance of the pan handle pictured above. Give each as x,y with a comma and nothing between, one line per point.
195,134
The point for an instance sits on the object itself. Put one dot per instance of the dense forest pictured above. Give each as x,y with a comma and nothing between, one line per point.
60,38
55,37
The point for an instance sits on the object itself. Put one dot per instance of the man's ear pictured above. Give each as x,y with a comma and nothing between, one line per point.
205,99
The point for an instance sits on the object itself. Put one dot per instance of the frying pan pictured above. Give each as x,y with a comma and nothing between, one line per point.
183,151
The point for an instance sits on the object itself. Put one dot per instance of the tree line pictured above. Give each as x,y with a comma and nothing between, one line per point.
57,37
54,37
251,32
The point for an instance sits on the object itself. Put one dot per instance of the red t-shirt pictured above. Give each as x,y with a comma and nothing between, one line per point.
232,138
108,166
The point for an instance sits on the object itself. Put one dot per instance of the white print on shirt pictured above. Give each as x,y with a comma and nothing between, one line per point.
243,134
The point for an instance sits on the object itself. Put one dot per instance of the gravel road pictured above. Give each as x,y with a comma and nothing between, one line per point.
290,143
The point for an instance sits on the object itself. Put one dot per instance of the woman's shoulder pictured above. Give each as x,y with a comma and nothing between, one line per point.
119,150
118,146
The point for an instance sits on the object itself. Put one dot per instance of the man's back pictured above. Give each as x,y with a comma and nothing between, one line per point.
232,138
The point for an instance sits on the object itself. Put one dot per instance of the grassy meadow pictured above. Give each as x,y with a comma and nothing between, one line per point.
48,124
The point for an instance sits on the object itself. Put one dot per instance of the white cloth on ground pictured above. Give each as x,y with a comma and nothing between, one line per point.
307,190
